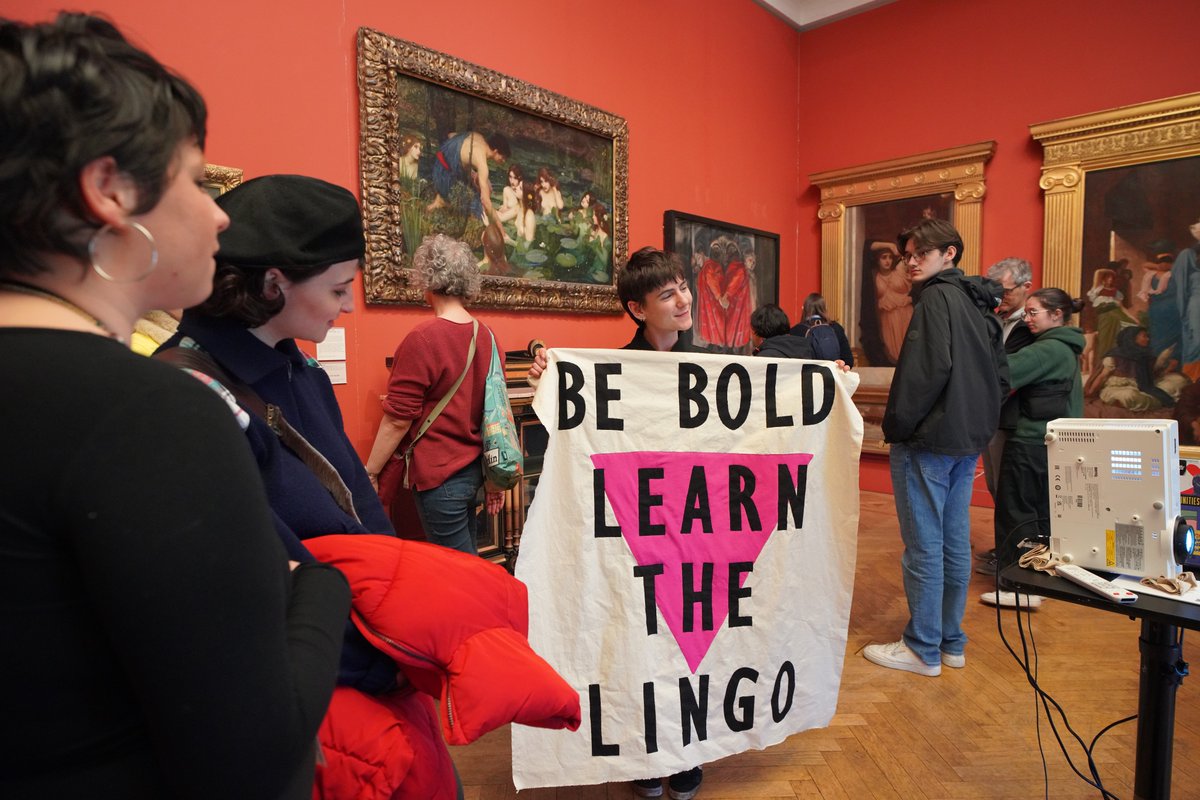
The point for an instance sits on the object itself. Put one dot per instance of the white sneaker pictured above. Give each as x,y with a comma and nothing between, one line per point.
1010,599
898,655
957,661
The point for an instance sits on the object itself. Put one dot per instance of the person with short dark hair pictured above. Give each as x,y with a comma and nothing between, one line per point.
654,293
941,411
157,644
285,271
770,325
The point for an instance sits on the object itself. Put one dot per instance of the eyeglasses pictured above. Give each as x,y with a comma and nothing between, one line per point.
1035,312
918,255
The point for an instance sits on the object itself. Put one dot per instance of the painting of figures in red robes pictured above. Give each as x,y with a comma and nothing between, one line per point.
731,270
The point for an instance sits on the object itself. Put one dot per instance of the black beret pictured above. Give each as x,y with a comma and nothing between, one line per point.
290,221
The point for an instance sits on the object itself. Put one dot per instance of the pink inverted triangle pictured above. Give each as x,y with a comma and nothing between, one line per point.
720,547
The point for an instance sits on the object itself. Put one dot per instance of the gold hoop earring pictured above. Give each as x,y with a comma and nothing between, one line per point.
108,276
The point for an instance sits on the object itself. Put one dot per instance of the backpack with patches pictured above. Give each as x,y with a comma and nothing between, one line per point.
824,340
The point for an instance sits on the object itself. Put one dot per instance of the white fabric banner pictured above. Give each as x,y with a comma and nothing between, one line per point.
689,556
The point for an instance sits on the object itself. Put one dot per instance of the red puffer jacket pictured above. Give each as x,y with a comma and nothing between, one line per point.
456,626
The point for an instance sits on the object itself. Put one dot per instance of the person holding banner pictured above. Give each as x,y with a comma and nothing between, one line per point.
654,293
942,410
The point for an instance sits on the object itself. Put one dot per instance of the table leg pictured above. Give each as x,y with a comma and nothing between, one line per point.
1162,671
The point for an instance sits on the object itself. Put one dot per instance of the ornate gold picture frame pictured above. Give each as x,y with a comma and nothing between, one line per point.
548,235
1122,203
219,180
862,211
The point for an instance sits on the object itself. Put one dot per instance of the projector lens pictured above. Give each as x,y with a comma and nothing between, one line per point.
1185,540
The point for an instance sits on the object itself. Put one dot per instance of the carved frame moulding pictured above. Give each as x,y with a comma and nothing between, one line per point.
219,180
410,93
1119,137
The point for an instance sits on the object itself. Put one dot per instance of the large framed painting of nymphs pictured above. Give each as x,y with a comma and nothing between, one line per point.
1122,232
866,287
731,270
533,181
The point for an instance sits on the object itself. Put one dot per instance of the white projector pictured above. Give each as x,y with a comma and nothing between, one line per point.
1114,495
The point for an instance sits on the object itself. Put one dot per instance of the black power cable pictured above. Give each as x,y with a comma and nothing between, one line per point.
1041,695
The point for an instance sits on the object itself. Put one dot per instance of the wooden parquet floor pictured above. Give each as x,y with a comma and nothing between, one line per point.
969,734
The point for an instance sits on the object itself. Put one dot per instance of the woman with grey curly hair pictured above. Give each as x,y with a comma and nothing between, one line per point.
445,266
438,377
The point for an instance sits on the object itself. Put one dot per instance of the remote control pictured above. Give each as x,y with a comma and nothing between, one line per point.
1093,582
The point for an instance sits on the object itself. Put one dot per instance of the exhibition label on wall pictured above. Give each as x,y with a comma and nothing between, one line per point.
689,557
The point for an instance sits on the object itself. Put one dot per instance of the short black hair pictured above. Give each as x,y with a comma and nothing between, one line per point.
72,91
769,320
647,270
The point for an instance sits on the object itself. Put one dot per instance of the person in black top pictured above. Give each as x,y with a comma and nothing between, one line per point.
770,325
942,409
158,644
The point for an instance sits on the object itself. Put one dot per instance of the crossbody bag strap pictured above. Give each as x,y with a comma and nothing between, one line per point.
200,361
437,410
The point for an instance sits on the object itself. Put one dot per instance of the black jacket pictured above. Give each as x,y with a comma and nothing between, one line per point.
952,373
1018,337
786,346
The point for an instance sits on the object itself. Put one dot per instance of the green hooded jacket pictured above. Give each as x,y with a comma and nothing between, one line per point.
1052,356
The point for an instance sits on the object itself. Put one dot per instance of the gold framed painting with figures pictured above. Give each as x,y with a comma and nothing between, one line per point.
533,181
1122,232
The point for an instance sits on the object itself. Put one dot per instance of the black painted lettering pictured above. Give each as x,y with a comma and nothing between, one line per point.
647,501
692,382
741,498
599,748
746,721
600,527
570,396
737,419
810,374
604,396
696,506
778,712
648,573
650,717
773,418
701,596
791,495
736,592
693,710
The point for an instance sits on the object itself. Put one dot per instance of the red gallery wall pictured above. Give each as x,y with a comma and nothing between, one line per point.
708,88
921,75
729,109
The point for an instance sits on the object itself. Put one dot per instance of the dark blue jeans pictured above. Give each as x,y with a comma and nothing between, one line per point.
448,511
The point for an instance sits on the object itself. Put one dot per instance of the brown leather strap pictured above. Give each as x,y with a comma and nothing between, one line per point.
289,437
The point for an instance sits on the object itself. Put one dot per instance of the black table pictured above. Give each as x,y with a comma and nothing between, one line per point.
1161,672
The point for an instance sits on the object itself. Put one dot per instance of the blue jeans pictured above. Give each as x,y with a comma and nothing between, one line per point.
447,512
933,503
